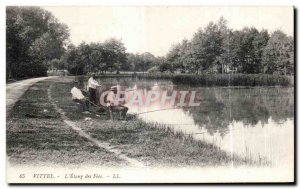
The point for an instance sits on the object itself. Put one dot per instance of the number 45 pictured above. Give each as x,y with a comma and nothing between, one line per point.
22,176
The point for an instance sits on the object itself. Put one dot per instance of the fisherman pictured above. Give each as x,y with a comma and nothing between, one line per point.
114,105
78,97
92,88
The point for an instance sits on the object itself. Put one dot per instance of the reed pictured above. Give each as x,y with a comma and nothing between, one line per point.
232,80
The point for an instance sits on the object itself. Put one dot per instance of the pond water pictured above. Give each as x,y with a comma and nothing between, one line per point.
255,123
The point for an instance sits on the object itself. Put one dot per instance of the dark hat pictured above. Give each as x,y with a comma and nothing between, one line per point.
113,88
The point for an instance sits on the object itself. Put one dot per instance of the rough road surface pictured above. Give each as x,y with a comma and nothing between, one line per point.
15,90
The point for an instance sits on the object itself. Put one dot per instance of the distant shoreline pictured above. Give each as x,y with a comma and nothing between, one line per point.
208,80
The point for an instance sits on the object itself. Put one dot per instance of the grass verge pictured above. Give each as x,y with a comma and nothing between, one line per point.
36,135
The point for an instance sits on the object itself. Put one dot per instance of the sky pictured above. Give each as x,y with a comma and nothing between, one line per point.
156,29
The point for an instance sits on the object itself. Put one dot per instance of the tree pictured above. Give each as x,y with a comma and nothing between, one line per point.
185,56
197,52
251,47
259,43
207,47
173,57
73,62
84,52
34,37
163,64
114,54
56,64
226,60
132,62
212,44
140,62
278,55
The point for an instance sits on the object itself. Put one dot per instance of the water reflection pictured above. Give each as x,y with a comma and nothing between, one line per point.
256,123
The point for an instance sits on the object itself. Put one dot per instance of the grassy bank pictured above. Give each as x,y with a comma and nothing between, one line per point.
152,144
36,135
159,145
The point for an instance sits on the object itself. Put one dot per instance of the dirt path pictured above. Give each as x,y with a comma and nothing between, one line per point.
15,90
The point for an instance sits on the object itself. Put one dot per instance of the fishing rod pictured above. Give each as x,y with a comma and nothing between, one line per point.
208,131
159,110
138,89
154,111
94,103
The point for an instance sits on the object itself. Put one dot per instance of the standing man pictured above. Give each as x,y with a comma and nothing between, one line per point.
78,97
114,105
92,87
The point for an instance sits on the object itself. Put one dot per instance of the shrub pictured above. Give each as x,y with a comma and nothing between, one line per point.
154,69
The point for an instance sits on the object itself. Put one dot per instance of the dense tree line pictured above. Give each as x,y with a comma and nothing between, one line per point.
37,42
219,49
141,62
95,57
109,56
34,37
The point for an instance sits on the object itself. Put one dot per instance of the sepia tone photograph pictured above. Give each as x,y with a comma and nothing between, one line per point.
150,94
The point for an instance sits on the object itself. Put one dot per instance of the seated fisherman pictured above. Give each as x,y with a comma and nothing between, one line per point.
113,105
78,97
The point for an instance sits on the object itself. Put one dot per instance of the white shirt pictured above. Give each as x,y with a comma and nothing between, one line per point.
77,94
111,97
92,83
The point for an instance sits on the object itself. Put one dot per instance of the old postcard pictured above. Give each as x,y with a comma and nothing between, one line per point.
150,94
